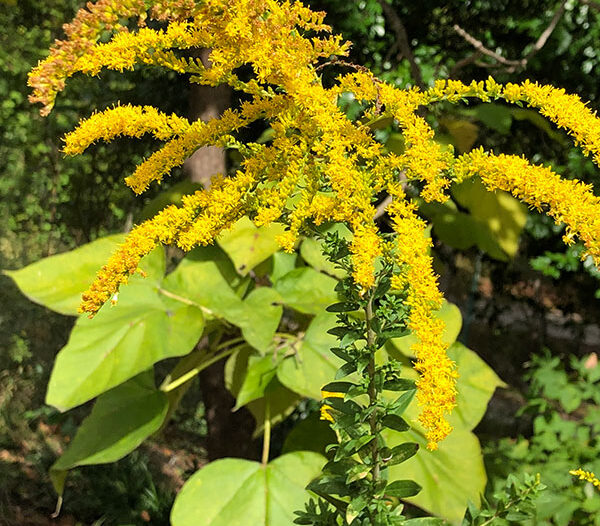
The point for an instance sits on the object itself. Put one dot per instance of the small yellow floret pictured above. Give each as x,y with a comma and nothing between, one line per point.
588,476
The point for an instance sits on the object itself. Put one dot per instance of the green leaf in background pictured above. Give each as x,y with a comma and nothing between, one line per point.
311,251
502,214
280,264
463,132
261,317
281,401
311,364
306,290
310,434
259,372
452,318
120,421
476,384
248,245
147,325
450,476
57,282
202,277
495,116
236,492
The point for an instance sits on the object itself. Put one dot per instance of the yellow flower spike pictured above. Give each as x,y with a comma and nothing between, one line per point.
333,165
588,476
131,121
567,201
436,392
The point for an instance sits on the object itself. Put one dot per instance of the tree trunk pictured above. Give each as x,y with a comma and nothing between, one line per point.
205,103
229,434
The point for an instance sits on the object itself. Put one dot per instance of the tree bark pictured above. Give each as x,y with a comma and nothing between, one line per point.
205,103
229,434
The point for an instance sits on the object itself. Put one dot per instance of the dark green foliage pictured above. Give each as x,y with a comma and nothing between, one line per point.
566,436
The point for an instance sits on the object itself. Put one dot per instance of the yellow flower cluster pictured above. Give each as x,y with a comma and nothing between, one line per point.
319,166
437,385
565,110
588,476
131,121
567,201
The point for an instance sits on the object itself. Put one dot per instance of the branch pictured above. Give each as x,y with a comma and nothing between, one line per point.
547,32
402,41
513,65
591,4
473,57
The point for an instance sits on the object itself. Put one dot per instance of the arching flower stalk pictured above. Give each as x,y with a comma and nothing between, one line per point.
320,166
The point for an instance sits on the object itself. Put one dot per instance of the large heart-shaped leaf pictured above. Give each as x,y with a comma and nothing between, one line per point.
120,421
476,384
307,290
236,492
502,214
310,364
204,280
148,324
248,245
58,281
450,477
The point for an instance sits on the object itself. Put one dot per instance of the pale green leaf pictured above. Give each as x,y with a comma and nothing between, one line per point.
120,421
307,290
57,282
310,364
236,492
248,245
144,327
450,476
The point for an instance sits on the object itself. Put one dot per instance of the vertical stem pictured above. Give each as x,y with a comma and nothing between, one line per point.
266,433
372,391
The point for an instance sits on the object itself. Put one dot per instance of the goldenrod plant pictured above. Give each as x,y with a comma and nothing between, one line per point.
320,169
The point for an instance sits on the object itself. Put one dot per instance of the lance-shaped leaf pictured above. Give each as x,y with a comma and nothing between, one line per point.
120,421
56,282
232,492
121,341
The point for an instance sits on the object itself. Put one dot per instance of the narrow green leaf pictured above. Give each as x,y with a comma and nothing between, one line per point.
402,489
401,453
394,422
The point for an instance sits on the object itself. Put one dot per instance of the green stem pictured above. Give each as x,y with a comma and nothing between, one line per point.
372,391
193,372
182,299
266,433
